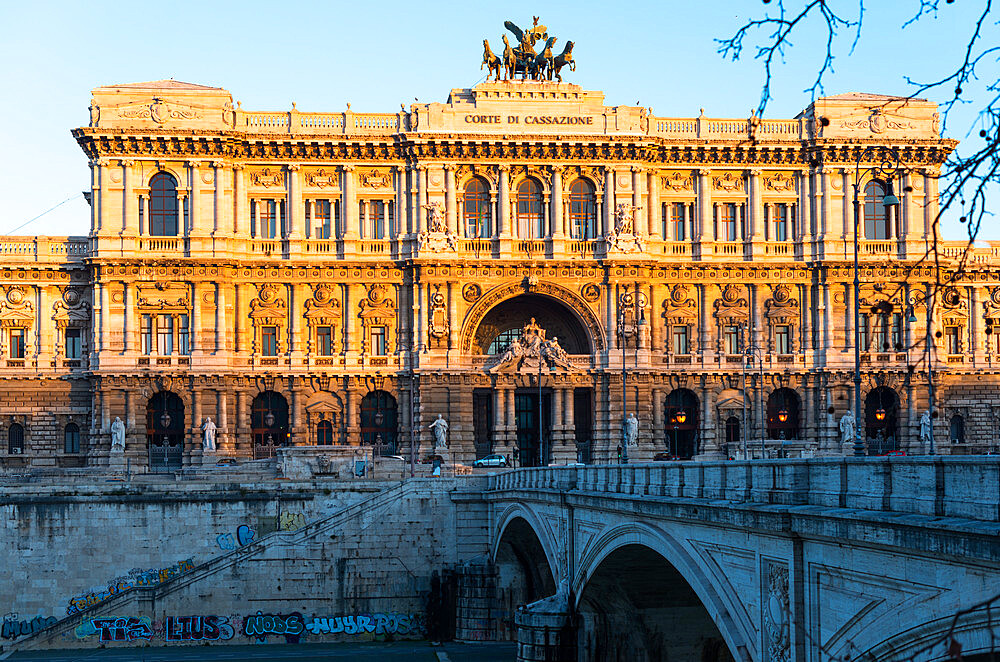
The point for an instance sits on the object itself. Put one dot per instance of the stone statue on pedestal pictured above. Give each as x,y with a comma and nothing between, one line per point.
632,430
925,427
118,435
847,428
440,429
208,435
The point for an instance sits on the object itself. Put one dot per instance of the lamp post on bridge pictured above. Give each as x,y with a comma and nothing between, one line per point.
885,166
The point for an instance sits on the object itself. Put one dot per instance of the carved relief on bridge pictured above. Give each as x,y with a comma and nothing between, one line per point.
775,611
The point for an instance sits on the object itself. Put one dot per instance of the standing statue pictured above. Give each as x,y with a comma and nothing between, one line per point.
118,435
440,428
632,430
847,427
925,427
208,435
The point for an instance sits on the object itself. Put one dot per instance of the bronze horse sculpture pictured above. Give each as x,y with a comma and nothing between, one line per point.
509,60
543,61
491,61
561,60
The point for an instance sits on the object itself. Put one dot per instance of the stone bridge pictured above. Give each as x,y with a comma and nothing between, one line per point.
770,561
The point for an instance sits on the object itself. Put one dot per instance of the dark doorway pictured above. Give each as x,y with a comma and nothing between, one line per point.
533,452
583,419
681,418
165,431
732,436
783,414
378,422
882,421
482,421
269,424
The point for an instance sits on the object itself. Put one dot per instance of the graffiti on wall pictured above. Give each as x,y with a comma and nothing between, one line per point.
135,577
197,628
290,521
244,536
116,628
14,628
261,625
377,623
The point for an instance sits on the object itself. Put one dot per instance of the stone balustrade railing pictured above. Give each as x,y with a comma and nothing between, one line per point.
43,249
962,487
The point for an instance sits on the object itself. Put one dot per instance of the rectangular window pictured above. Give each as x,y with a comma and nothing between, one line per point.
269,340
782,339
677,224
324,341
320,221
267,214
728,230
731,339
17,343
379,346
863,332
164,335
183,335
681,339
953,336
74,344
882,333
379,215
780,223
146,334
897,331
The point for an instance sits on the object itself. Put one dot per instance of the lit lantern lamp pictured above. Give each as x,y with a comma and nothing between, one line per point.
378,419
269,419
783,415
879,414
681,416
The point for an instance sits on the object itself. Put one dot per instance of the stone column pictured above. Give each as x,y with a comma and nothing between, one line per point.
450,202
300,435
805,213
657,424
704,231
653,204
569,415
350,205
104,343
556,206
414,205
131,206
220,226
295,212
194,207
400,212
128,321
350,418
223,443
452,317
296,341
220,317
196,312
104,199
499,436
931,200
351,345
755,209
194,433
240,202
609,200
243,424
637,196
421,198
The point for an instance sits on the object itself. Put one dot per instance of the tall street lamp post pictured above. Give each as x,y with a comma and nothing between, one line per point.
884,166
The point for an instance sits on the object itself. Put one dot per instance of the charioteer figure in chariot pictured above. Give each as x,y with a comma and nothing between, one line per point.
522,60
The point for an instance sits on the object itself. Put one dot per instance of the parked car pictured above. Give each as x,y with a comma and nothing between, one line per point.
491,461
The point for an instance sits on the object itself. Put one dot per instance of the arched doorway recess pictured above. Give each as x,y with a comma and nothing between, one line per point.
523,572
681,421
783,407
165,431
637,614
882,421
269,424
378,422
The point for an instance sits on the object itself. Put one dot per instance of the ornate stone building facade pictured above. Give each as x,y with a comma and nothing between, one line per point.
341,279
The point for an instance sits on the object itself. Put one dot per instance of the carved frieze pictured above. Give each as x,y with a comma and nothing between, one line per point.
269,304
374,178
730,182
15,309
267,177
781,308
779,182
878,121
680,307
71,309
163,295
437,323
322,178
677,181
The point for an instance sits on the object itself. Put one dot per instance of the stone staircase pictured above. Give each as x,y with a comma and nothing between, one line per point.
150,601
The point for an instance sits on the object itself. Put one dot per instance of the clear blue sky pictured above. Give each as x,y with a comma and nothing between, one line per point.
322,55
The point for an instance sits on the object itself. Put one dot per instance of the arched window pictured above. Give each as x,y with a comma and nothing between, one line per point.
15,439
957,429
476,209
71,438
324,433
783,414
877,221
582,210
163,205
530,221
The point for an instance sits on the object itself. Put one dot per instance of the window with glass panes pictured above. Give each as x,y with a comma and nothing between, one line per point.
731,339
375,214
17,343
74,344
324,340
269,340
183,335
269,217
782,339
678,226
379,346
863,332
582,210
882,332
503,341
680,335
146,334
71,438
728,230
782,221
162,220
897,331
164,335
529,210
476,209
320,218
877,222
953,339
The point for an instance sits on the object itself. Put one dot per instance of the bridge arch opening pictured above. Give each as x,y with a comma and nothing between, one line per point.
637,606
523,571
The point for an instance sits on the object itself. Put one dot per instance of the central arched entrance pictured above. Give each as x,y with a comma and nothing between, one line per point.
165,431
269,424
882,421
636,606
378,422
505,322
681,420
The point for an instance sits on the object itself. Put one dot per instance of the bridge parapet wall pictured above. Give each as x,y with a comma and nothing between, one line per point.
960,487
